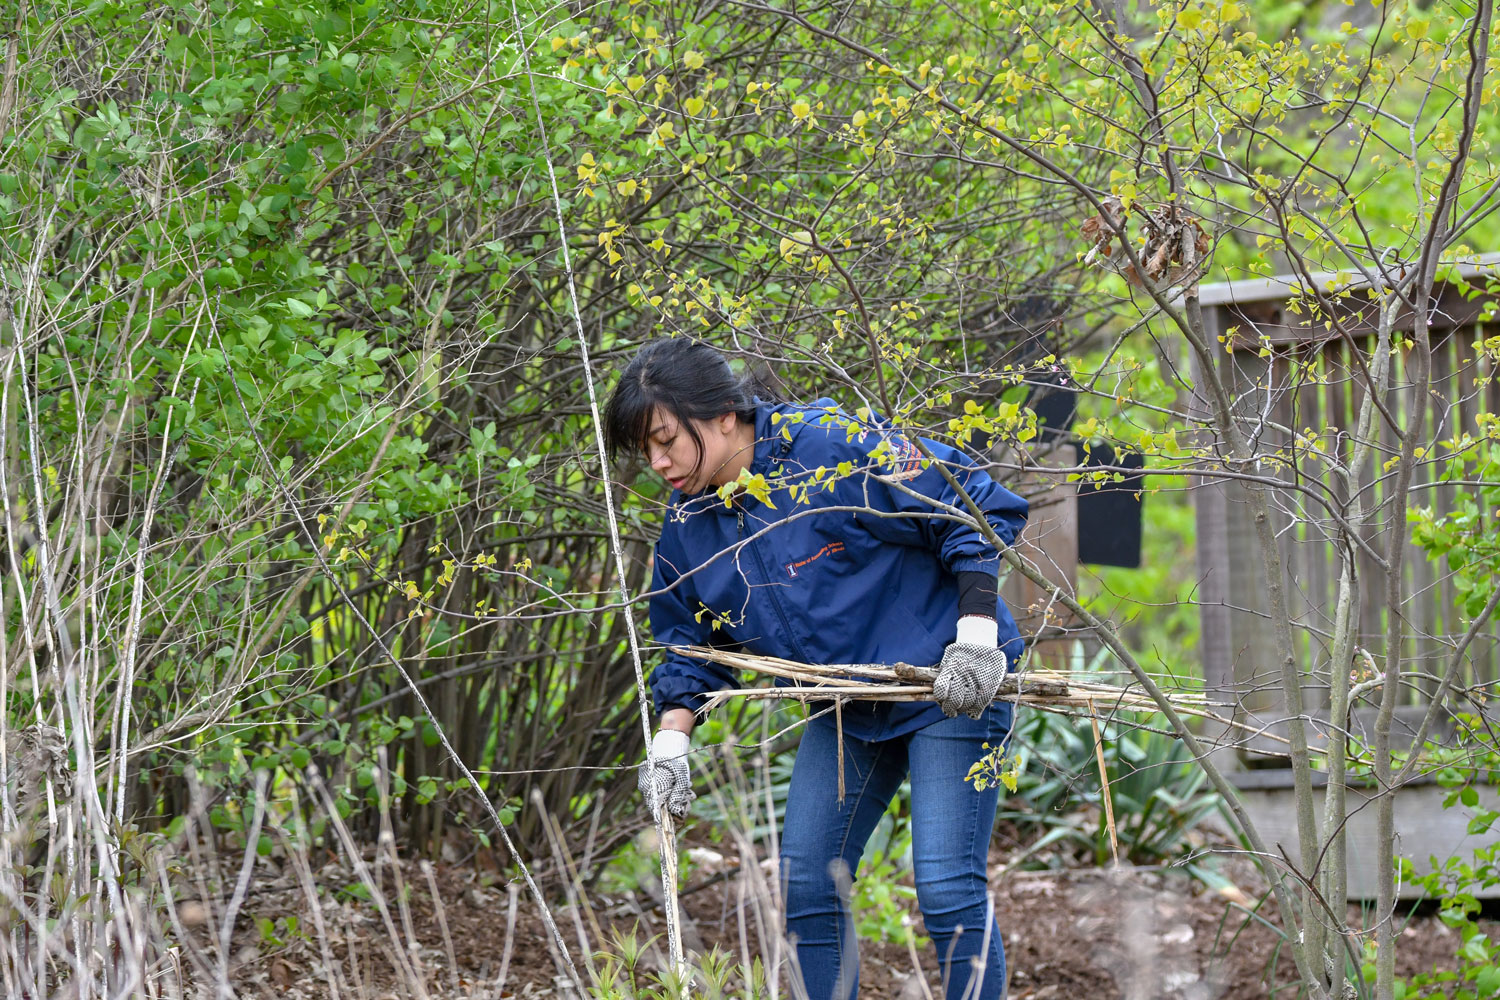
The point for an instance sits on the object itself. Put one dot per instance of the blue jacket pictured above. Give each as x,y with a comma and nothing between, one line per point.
818,575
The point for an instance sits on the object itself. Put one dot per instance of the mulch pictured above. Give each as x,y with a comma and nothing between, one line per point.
1128,933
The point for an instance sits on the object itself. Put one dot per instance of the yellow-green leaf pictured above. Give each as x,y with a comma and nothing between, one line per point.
800,109
693,60
694,105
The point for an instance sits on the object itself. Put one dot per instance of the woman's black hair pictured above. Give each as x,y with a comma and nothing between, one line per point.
684,377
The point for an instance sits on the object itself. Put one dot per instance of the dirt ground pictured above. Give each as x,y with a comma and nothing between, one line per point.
1131,933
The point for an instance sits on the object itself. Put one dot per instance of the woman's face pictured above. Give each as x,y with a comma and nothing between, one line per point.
673,454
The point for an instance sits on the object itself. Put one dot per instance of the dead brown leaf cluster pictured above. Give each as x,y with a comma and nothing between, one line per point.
1173,248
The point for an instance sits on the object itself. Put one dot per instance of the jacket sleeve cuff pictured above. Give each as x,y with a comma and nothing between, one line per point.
682,699
978,593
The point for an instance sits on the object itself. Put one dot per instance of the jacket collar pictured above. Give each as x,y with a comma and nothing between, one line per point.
770,446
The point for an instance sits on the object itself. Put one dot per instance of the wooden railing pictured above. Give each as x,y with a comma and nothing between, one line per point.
1294,374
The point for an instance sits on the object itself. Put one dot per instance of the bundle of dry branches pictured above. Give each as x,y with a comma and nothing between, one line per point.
1049,690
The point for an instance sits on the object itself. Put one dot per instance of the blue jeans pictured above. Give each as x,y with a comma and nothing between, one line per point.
823,841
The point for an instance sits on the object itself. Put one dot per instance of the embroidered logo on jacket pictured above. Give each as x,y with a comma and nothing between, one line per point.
830,549
904,458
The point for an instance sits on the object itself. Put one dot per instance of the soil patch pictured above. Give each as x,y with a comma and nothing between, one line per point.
1130,933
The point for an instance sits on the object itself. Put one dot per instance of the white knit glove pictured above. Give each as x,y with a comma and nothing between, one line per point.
971,670
664,774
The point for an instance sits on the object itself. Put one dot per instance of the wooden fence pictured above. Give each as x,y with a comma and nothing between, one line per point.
1298,370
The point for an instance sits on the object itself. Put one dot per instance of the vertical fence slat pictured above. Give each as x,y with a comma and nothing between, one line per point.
1314,552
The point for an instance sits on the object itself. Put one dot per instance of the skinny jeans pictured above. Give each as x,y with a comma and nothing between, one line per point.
824,838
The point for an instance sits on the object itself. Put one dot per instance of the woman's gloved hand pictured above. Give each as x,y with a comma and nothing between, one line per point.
971,670
664,777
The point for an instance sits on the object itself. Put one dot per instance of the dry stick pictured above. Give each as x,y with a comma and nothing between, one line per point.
979,965
838,728
825,692
510,938
569,880
133,620
574,874
666,830
773,974
302,868
585,864
442,919
1109,806
242,883
923,692
746,960
59,644
12,966
385,853
916,962
355,954
12,66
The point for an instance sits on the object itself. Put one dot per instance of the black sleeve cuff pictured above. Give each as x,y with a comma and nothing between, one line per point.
978,594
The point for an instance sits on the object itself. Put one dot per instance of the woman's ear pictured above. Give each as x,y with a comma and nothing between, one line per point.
727,422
